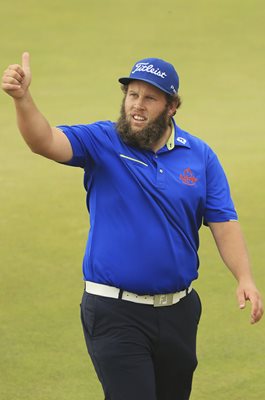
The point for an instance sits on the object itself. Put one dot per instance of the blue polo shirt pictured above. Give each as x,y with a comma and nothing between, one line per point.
146,208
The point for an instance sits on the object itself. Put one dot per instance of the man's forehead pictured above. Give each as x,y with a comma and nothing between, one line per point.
142,86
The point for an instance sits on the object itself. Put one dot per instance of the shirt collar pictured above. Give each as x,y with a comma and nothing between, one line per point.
171,140
177,137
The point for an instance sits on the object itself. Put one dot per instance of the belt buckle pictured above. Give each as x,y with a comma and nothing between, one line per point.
162,300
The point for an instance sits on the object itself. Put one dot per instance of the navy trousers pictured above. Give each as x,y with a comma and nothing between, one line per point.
141,352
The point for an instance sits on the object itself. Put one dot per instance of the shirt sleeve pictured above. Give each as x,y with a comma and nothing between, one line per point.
87,142
219,204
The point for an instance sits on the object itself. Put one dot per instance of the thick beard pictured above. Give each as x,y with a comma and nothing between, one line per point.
146,137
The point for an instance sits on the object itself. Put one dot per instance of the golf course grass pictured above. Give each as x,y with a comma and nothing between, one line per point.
78,51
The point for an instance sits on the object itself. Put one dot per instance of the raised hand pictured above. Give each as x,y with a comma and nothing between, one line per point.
17,78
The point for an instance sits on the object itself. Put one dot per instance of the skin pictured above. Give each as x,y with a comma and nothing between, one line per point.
232,248
143,104
41,138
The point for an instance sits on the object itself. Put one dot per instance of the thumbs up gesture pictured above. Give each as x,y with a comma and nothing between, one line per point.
16,78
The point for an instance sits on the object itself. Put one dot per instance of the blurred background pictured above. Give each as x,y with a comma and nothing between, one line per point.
78,51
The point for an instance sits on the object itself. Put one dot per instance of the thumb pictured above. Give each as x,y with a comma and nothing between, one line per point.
25,62
241,298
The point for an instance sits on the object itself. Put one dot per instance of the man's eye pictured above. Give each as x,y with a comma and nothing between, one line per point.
151,98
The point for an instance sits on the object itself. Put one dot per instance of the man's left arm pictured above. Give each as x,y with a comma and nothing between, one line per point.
232,248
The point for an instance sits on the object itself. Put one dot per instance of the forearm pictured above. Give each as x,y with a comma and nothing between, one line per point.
33,126
42,139
232,248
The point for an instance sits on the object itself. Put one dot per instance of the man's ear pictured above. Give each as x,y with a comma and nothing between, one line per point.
172,110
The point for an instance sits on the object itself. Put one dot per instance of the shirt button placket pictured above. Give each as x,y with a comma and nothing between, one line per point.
160,176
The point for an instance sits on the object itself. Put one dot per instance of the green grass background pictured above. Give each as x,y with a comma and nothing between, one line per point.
79,49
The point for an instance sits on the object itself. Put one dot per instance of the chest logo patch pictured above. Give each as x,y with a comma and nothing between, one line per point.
187,177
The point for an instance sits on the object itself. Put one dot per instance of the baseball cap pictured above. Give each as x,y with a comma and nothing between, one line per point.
155,71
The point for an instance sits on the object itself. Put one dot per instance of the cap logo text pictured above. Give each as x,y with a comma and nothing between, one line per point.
149,68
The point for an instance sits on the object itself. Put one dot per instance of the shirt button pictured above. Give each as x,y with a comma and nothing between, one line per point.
161,171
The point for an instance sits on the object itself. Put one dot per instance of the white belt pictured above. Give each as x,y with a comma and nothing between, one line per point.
158,300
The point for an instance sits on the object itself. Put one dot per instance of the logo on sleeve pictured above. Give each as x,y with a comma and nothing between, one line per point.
187,177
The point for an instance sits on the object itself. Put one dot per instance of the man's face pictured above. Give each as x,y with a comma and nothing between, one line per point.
145,115
143,104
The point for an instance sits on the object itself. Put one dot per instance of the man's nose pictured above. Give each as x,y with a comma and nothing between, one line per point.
139,104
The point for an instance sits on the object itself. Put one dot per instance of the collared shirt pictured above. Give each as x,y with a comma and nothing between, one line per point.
146,208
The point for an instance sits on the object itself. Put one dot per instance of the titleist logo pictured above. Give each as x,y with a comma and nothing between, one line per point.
146,67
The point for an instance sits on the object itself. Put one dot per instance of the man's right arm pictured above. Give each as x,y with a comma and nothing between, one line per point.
42,139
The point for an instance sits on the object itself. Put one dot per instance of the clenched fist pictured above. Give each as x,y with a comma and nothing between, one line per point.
16,78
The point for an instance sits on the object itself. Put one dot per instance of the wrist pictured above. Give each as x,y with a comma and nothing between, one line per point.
23,101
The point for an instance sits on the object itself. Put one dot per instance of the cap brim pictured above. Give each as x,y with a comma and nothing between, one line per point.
126,81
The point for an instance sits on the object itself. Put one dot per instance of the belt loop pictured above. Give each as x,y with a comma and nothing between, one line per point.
120,294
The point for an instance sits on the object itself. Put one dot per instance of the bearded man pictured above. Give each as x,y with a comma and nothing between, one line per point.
150,186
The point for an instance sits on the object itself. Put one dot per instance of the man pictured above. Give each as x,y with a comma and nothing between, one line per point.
150,185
